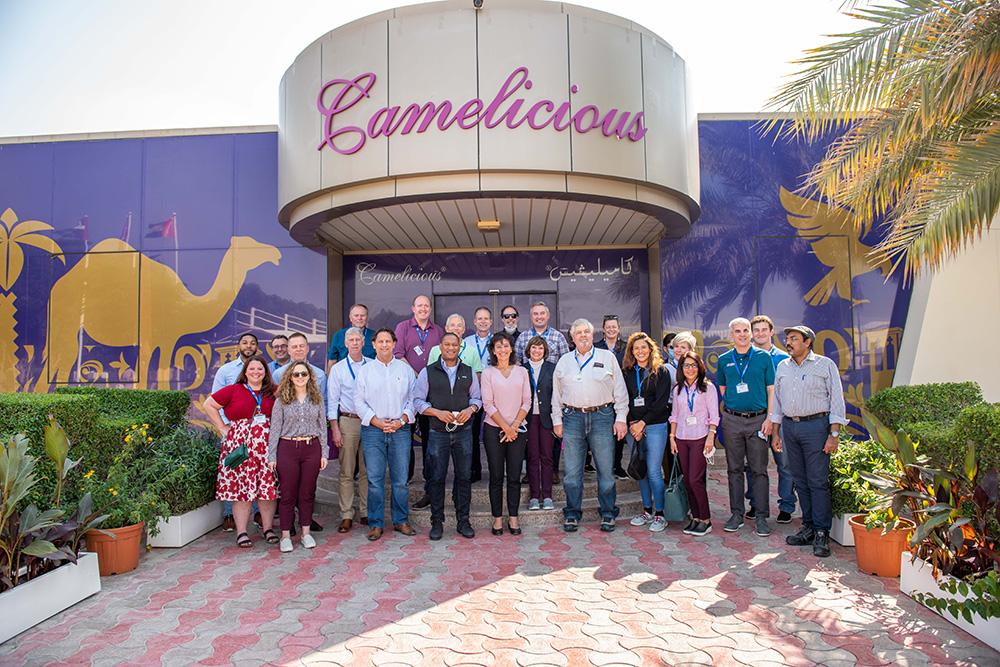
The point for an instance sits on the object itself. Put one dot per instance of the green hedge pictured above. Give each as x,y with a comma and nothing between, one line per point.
981,425
902,406
162,410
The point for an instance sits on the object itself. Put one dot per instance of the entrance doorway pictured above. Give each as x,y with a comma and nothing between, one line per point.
465,304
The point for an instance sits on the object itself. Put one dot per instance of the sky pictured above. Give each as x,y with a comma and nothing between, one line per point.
119,65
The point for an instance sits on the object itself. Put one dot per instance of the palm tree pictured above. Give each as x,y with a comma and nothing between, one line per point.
915,99
13,235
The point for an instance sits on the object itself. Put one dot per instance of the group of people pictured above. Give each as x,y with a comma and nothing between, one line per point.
531,397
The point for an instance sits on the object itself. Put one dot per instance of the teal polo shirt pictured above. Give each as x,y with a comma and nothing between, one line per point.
758,373
777,356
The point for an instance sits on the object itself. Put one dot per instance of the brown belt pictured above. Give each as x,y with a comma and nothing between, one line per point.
589,410
301,440
349,414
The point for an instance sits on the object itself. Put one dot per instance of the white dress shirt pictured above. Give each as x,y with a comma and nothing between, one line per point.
384,391
599,382
340,386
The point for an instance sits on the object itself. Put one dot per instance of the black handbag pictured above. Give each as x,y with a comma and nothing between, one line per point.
637,461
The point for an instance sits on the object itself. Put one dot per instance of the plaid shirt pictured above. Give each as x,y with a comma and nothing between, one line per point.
556,341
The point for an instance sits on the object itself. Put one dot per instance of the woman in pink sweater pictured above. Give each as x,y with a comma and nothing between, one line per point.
506,401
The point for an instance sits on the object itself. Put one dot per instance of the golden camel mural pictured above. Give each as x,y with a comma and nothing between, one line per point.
121,298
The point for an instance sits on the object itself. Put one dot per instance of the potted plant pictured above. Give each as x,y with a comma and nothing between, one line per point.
183,470
851,494
129,503
42,570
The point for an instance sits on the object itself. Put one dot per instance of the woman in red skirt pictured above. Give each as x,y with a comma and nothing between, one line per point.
247,404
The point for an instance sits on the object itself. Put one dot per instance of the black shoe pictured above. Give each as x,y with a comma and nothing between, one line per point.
751,514
608,525
700,528
476,477
524,479
315,527
589,468
803,538
690,525
497,531
512,530
821,544
784,517
425,501
465,530
571,525
556,479
620,474
437,531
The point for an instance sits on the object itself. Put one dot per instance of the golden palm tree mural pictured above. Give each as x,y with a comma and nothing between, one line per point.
14,234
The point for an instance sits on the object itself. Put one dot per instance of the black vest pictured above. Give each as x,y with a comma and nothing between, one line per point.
440,394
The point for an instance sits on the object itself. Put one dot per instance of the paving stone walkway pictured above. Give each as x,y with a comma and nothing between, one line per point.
545,598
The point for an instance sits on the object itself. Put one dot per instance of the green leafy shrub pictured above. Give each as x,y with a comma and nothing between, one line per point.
980,424
897,407
850,492
182,468
163,411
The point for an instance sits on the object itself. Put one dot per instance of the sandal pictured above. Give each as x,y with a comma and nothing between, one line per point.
243,541
271,536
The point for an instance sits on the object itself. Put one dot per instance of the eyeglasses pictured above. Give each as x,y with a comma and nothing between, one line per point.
300,374
280,346
509,316
690,366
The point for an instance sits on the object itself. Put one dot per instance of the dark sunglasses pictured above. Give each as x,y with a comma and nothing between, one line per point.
300,374
509,316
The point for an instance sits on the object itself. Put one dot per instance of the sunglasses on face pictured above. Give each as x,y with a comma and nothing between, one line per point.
509,316
300,374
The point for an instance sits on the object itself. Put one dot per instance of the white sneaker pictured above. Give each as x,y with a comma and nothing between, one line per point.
659,524
547,504
308,542
533,505
285,545
641,519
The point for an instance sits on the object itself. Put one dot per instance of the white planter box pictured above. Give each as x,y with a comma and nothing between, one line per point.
180,530
32,602
917,577
840,531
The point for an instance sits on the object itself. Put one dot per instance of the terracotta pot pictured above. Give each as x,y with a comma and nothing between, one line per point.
879,554
118,554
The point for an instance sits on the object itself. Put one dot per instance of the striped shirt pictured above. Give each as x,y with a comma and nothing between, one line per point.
813,387
556,341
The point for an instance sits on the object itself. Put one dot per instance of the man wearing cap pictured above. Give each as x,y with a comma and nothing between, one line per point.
745,378
807,414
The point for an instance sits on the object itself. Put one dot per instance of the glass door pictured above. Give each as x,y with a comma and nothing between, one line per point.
465,304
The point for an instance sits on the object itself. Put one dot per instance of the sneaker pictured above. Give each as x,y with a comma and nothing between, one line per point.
700,528
821,544
547,504
285,545
735,523
763,530
308,542
228,524
425,501
437,531
621,474
607,525
784,517
803,538
751,514
571,525
533,504
642,519
659,525
689,527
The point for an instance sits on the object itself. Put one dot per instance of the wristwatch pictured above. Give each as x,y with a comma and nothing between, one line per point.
834,434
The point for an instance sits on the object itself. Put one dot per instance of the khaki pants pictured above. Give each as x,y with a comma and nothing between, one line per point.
350,452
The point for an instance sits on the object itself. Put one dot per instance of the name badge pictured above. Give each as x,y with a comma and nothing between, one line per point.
639,402
691,420
259,419
742,388
598,364
418,350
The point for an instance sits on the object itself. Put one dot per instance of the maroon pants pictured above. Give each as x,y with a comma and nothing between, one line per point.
298,468
691,454
539,458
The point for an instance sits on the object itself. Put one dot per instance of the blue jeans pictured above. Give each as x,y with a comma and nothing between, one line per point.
227,508
654,444
381,449
596,431
786,495
803,445
441,447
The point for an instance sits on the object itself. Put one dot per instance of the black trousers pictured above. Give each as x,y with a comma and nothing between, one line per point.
424,424
505,460
477,460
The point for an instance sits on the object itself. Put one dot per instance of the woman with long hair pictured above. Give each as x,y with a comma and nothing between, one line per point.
248,403
540,439
297,449
648,382
506,390
693,423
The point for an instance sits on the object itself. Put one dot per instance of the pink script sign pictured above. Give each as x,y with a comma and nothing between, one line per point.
506,107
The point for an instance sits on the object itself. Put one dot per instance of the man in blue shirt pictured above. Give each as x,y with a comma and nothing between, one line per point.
482,321
279,352
358,317
762,332
745,379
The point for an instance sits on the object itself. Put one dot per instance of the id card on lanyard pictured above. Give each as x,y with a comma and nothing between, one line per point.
742,387
639,401
691,419
422,334
259,418
579,377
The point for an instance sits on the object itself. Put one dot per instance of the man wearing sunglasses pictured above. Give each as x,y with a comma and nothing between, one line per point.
509,319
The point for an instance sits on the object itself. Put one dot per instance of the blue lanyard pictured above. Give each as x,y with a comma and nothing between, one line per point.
736,362
690,398
584,364
426,332
531,376
256,398
485,348
353,376
638,380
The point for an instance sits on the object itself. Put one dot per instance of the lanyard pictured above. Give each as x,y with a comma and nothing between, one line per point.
584,364
353,376
426,332
690,397
638,380
531,376
257,398
485,348
736,362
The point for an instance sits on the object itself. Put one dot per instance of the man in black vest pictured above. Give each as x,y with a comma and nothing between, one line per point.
447,393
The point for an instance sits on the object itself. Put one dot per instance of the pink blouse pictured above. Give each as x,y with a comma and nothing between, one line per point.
506,395
706,411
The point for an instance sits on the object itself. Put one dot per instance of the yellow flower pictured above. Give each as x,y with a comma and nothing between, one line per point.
112,490
149,440
128,438
88,474
145,425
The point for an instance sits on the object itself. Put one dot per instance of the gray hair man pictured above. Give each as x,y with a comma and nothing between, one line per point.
345,428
